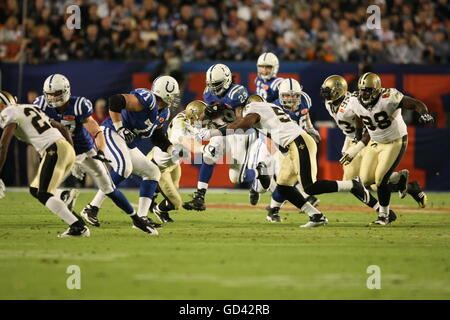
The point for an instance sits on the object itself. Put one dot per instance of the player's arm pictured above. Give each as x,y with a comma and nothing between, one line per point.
363,138
244,123
65,133
410,103
238,112
5,140
120,102
94,130
309,128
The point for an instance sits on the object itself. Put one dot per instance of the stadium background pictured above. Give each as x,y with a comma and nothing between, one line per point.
312,39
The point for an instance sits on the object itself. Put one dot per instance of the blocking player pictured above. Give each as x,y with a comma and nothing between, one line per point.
180,133
299,158
75,113
29,124
225,101
138,115
267,82
338,102
379,111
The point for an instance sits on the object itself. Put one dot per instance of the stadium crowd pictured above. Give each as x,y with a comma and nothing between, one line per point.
414,31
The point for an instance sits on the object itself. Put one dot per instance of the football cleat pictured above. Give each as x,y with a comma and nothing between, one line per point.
89,214
198,202
272,214
417,193
162,216
313,200
315,221
403,183
144,224
69,197
263,177
360,191
392,216
381,221
254,197
76,229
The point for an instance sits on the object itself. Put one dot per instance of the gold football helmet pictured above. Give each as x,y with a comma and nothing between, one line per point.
194,111
7,98
369,88
333,88
255,98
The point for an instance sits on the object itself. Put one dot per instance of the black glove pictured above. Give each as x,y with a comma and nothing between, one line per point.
126,135
426,118
214,110
100,156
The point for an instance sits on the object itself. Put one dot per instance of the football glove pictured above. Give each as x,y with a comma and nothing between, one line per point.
214,110
426,118
313,133
78,172
2,189
126,134
101,157
351,153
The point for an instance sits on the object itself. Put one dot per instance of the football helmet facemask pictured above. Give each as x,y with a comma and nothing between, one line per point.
218,79
56,90
333,88
369,89
267,59
290,92
167,89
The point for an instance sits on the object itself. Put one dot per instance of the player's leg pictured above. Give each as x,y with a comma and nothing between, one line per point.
54,167
388,159
168,185
213,152
100,174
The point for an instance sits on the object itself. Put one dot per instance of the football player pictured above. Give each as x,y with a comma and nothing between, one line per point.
29,124
180,133
75,113
379,111
298,164
338,102
267,82
225,102
138,115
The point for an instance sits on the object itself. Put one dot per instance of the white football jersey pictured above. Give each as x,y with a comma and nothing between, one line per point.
179,127
384,120
33,126
343,115
274,122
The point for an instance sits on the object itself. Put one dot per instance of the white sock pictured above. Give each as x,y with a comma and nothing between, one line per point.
98,199
345,185
58,207
376,206
303,193
309,209
202,185
58,193
273,185
384,211
144,205
275,204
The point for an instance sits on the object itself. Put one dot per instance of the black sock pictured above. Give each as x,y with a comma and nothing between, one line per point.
292,195
322,186
384,194
166,205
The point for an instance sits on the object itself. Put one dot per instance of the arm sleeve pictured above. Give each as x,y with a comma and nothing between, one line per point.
145,97
83,109
238,97
159,139
395,97
8,116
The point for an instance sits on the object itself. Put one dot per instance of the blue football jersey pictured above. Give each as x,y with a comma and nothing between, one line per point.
268,89
299,115
78,109
235,96
142,123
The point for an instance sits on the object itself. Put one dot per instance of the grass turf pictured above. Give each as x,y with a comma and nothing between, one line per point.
228,253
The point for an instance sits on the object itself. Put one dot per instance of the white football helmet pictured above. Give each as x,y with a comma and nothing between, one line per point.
166,87
290,92
271,60
218,79
56,90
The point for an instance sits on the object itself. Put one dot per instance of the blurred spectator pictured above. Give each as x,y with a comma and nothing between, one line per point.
100,111
415,31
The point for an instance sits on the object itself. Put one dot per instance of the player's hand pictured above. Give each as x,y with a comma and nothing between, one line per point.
202,134
2,189
78,172
351,153
101,157
426,118
214,110
126,134
314,134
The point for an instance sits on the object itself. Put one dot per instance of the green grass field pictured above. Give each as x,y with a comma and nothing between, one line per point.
228,252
